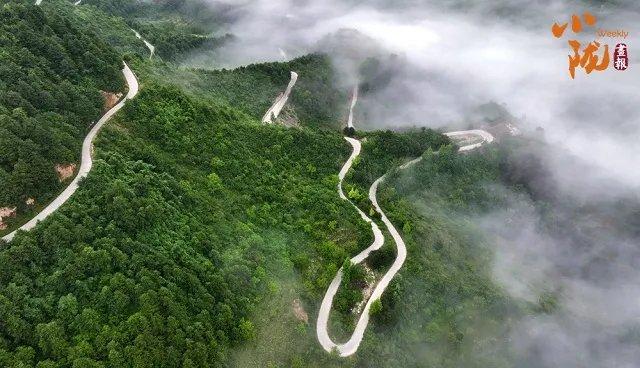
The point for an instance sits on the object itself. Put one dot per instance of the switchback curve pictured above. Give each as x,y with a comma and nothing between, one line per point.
351,346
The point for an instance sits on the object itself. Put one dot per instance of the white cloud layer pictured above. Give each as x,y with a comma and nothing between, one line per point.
466,53
458,54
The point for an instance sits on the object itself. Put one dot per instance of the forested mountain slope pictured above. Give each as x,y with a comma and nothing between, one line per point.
169,237
444,309
197,228
51,75
203,238
315,100
175,28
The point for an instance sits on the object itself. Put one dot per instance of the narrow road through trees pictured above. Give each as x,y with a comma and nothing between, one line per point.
151,48
279,103
465,134
85,161
354,101
351,346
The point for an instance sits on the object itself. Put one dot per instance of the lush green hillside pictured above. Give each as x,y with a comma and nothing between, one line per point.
51,74
198,227
164,251
204,238
175,28
173,35
443,309
315,100
112,29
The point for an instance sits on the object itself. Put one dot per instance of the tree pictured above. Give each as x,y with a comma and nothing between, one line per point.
67,307
52,339
376,308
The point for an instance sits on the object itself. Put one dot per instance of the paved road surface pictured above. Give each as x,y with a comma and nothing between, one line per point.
486,137
354,101
86,161
149,45
279,103
351,346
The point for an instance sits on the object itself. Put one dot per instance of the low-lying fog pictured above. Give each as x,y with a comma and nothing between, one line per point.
465,53
452,56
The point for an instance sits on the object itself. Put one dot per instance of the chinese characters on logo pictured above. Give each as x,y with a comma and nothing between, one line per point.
592,56
620,57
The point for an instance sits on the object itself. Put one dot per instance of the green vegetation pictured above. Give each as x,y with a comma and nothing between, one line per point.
198,227
315,101
376,308
381,259
51,72
111,29
114,21
383,151
443,305
350,291
196,12
175,28
176,238
443,308
164,247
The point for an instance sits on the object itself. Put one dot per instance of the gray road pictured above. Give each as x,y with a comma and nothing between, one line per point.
86,160
279,103
351,346
151,48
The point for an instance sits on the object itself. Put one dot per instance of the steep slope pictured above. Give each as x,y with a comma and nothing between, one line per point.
169,237
52,73
351,346
175,29
314,102
204,238
86,161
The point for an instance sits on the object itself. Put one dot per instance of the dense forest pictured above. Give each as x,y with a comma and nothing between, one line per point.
315,100
175,28
51,75
203,238
169,238
444,308
195,232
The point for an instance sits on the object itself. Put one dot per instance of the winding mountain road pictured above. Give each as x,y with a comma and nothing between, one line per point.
283,54
465,134
351,346
86,160
138,35
147,43
279,103
354,101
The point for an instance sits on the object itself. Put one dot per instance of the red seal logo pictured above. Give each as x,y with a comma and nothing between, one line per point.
620,57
